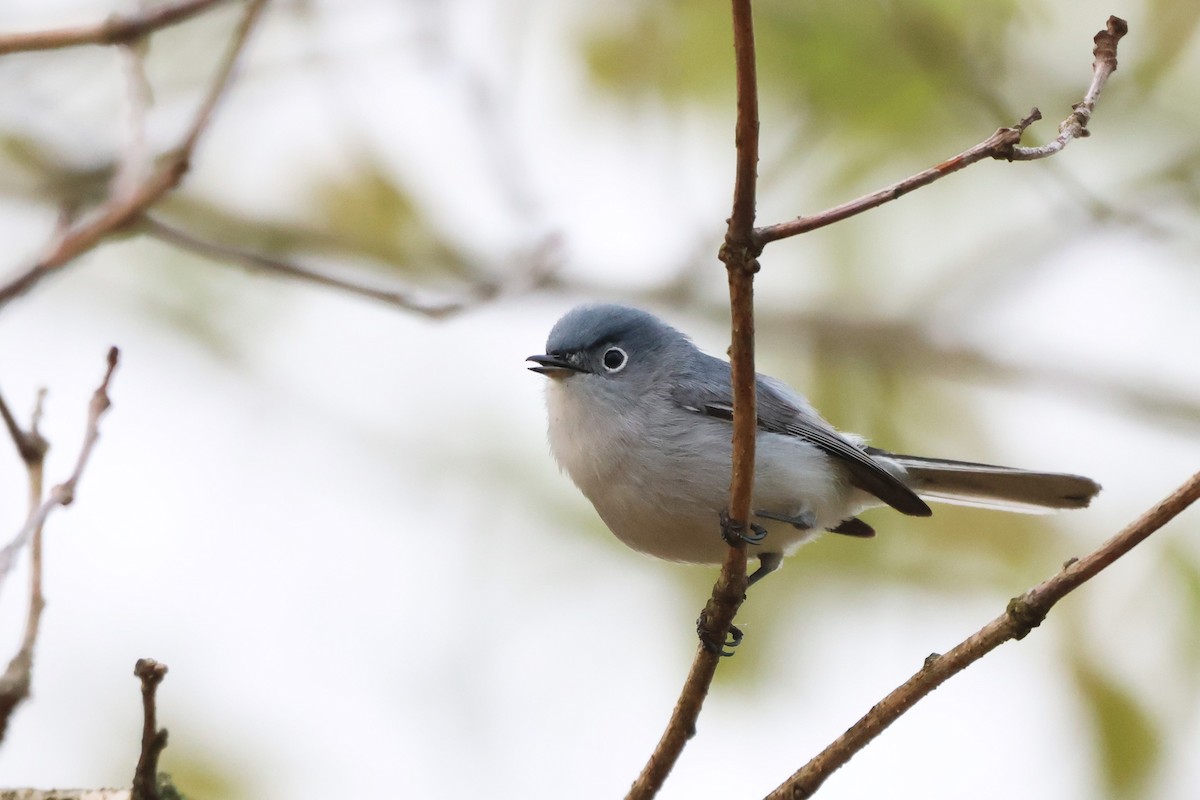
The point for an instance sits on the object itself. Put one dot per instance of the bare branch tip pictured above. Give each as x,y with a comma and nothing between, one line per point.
1034,115
1106,42
149,671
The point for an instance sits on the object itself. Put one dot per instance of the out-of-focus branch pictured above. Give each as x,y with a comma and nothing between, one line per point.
119,210
15,682
914,347
403,298
134,164
154,739
740,255
64,794
1004,144
117,29
1023,614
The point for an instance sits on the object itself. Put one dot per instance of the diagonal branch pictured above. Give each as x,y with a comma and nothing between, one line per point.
1023,614
1002,141
259,263
119,210
740,255
117,29
1004,144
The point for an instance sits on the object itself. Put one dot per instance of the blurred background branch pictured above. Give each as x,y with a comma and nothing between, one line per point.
116,29
128,200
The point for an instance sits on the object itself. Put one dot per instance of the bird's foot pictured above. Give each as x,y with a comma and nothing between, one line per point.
713,643
740,533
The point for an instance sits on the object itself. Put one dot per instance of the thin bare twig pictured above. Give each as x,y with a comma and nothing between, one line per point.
740,255
64,493
117,29
1023,614
1104,64
154,739
117,212
15,682
1004,144
1002,140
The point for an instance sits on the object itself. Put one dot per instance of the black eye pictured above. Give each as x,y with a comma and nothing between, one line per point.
614,359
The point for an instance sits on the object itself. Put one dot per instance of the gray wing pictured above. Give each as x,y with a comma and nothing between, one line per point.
778,414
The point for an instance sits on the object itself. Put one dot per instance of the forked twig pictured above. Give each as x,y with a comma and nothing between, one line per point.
15,682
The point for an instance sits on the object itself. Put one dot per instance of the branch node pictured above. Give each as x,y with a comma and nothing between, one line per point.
1025,615
742,255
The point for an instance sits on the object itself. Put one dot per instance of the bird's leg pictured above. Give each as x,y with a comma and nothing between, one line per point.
767,563
805,520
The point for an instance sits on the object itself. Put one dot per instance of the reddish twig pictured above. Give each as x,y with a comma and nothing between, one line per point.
1023,614
154,739
15,682
121,209
117,29
1004,144
740,255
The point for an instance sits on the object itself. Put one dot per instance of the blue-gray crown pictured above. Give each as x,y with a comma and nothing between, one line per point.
585,327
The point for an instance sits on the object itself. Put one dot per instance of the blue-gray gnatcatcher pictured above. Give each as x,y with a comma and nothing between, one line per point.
640,419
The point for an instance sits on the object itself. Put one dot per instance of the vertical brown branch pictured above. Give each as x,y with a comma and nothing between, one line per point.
740,255
154,739
32,447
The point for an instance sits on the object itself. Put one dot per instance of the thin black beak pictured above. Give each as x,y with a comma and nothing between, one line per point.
553,366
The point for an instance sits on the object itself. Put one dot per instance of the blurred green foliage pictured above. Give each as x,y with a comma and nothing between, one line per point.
881,73
1128,740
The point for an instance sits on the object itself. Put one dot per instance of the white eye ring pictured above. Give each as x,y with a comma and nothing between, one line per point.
615,359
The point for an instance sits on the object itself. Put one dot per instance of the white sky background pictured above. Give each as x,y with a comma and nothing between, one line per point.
336,540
